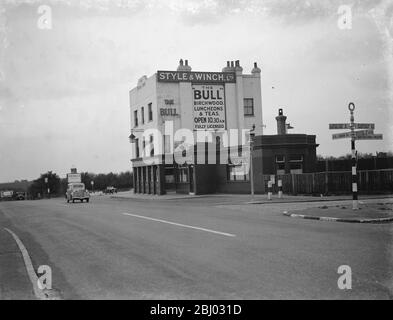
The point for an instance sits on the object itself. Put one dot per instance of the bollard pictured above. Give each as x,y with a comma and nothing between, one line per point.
269,189
279,184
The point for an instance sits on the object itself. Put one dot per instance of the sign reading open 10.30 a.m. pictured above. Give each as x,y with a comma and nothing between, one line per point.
209,107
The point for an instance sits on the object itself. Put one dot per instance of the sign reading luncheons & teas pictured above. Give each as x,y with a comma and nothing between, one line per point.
208,107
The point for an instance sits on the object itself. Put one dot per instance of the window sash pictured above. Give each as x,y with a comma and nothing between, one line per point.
248,107
280,159
150,109
136,118
296,158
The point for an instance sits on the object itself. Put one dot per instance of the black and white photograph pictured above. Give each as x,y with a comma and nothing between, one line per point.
194,155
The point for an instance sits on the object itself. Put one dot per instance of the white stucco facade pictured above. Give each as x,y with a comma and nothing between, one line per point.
170,96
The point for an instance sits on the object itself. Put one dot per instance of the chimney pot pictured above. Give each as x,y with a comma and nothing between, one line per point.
186,62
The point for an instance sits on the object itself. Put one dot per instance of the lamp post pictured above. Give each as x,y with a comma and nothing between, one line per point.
252,136
46,183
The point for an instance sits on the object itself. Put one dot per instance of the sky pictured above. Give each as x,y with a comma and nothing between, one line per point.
64,90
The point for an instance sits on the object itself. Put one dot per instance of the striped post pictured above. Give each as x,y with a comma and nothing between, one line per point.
279,184
269,189
355,206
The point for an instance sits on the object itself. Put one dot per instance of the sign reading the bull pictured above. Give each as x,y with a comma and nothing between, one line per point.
209,107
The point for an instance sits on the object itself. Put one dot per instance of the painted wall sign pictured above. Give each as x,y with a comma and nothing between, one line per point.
169,102
209,107
196,77
169,112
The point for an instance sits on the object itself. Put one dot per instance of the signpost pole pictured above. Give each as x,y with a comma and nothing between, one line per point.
355,206
366,134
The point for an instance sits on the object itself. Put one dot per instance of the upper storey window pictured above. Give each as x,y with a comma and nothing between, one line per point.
150,110
135,118
248,107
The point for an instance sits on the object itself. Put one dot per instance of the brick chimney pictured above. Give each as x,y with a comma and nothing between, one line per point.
281,122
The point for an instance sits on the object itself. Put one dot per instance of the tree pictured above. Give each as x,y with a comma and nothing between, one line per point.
39,187
123,180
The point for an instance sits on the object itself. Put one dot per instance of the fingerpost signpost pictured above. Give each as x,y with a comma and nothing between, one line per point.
366,134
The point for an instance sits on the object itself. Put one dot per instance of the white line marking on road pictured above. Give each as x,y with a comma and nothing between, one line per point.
29,267
180,225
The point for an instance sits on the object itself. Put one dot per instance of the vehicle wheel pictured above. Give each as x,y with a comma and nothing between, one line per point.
87,200
73,200
68,201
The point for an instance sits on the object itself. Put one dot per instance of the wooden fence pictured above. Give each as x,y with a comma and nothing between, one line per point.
336,182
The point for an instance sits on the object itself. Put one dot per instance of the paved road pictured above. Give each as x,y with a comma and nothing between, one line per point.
191,249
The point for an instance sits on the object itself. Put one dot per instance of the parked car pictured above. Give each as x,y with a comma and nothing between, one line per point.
6,195
110,190
20,196
77,191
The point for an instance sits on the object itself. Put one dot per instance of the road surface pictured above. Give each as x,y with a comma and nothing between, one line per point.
197,249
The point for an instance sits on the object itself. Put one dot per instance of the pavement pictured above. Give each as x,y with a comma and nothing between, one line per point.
377,212
14,281
202,248
240,198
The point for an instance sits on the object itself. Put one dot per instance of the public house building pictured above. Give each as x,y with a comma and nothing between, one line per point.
201,132
193,116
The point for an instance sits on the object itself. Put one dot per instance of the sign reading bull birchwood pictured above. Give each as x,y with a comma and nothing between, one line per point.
196,77
208,107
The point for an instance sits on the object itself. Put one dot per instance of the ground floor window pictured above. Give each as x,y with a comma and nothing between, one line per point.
240,172
296,163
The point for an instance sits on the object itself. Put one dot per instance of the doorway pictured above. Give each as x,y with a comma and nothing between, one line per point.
191,180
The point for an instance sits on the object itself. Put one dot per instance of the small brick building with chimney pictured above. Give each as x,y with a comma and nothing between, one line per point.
285,153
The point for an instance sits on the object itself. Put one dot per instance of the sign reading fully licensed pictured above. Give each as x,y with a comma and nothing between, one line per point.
208,107
196,77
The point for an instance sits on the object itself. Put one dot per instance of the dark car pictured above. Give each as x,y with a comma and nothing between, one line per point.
110,190
20,196
77,191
